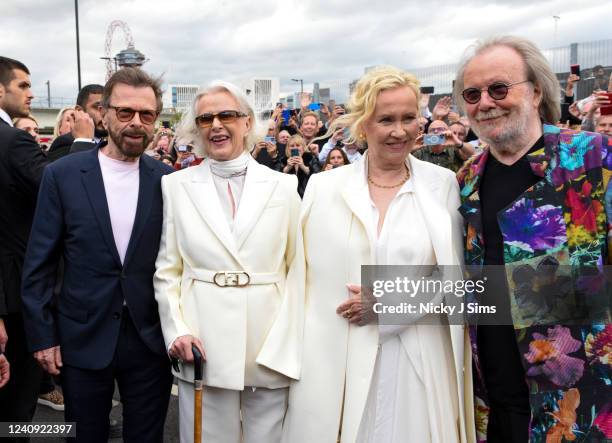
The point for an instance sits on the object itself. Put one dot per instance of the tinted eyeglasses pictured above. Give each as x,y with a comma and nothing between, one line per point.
147,117
497,91
225,117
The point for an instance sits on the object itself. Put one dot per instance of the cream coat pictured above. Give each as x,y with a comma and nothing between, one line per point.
335,360
196,242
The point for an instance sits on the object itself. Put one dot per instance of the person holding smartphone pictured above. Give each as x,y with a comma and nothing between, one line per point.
300,162
443,147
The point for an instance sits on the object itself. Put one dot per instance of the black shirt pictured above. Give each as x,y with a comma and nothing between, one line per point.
497,348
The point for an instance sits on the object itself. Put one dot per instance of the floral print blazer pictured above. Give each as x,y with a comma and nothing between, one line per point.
564,218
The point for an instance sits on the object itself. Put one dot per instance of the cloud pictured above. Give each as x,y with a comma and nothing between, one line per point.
196,41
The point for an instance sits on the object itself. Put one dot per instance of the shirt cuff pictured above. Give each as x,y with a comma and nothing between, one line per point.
170,345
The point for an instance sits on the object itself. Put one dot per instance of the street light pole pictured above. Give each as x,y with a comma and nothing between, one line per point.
48,83
301,84
556,19
76,16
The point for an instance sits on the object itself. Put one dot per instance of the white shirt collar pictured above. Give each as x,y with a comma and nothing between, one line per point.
4,116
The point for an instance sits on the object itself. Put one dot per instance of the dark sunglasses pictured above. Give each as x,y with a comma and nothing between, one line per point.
127,114
225,117
497,91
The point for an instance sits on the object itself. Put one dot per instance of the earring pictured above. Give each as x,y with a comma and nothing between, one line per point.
361,136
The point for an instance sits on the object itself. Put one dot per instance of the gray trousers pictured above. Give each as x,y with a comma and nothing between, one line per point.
228,416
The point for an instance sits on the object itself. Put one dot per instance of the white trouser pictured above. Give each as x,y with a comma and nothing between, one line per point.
262,411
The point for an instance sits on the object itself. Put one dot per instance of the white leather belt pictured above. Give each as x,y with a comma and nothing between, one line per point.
233,278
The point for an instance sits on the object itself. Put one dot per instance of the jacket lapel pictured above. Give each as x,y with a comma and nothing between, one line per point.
203,194
437,219
94,186
258,188
469,182
145,196
357,197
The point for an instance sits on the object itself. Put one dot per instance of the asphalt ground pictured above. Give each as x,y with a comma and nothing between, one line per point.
171,431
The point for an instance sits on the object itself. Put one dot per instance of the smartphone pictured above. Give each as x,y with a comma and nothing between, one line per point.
166,124
427,89
314,106
433,139
607,110
286,115
575,69
295,153
346,133
269,139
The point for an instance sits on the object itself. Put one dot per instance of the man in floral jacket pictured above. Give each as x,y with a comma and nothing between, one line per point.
537,199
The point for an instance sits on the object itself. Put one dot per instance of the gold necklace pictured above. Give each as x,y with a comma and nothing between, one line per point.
404,180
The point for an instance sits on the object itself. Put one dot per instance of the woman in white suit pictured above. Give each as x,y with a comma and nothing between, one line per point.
227,242
360,381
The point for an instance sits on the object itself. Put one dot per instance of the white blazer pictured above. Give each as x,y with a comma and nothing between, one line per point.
197,246
335,360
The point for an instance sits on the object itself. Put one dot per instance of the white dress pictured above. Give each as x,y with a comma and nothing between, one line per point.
399,408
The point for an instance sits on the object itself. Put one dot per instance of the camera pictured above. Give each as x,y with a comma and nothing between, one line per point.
433,139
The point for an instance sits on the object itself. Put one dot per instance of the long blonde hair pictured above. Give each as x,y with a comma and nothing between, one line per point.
362,103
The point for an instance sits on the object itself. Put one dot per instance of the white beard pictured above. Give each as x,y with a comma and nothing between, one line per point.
512,138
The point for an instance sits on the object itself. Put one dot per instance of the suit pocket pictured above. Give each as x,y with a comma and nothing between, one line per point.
72,311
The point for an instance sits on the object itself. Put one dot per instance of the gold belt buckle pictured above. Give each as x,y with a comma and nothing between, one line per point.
231,278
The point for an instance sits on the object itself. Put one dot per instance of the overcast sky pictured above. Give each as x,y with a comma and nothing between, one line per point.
196,41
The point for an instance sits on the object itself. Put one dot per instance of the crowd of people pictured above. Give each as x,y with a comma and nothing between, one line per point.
125,247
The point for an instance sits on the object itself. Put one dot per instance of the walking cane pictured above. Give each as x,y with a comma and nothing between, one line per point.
198,362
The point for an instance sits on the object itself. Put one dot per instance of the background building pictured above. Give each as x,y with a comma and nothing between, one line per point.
180,97
262,92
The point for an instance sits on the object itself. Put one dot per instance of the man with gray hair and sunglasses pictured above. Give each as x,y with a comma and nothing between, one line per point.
539,194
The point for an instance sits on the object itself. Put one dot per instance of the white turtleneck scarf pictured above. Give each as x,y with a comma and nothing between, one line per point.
228,177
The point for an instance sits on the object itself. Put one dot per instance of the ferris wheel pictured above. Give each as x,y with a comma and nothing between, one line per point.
128,57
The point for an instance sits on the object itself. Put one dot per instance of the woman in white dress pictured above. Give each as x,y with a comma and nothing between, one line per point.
365,382
228,239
